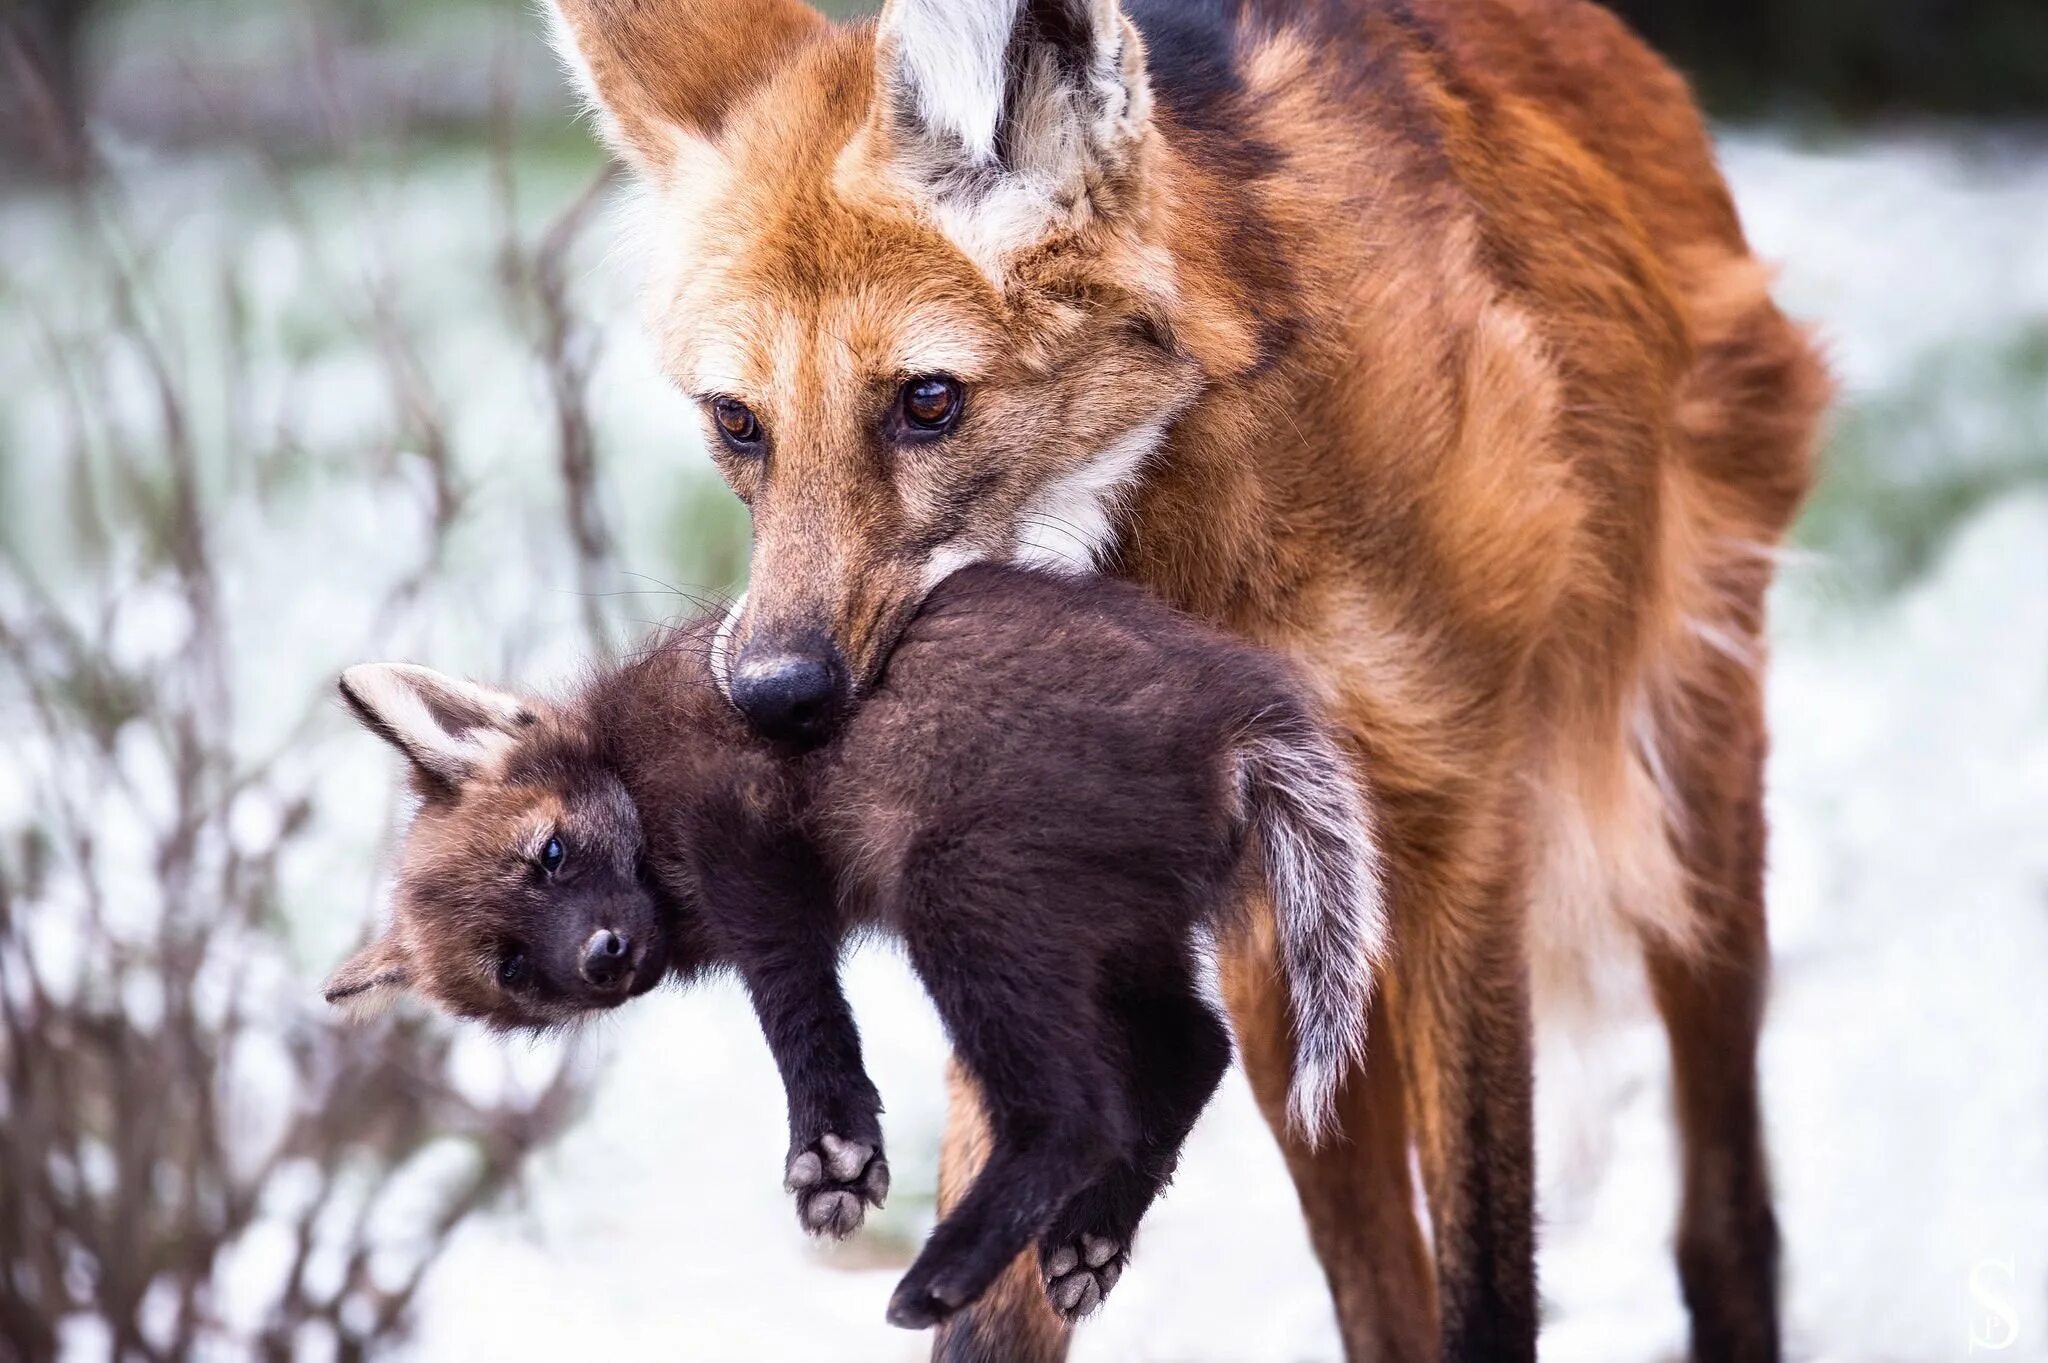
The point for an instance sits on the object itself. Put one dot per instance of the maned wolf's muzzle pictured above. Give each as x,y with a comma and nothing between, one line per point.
793,688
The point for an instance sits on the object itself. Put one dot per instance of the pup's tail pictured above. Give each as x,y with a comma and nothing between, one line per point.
1323,872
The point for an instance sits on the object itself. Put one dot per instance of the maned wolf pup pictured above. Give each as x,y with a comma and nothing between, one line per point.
1048,798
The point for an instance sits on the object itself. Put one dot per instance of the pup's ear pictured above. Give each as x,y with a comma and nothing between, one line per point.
449,728
1015,112
370,980
658,72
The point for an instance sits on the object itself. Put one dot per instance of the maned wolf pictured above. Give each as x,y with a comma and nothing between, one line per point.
1050,801
1417,339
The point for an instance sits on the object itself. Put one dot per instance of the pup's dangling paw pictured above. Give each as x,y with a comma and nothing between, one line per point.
1079,1272
957,1264
919,1304
835,1181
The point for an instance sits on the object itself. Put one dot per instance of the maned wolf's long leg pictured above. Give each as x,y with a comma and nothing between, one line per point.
1356,1191
1460,988
1011,1322
1713,1009
1175,1050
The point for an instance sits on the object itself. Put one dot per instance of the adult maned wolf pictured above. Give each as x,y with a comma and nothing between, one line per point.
1417,339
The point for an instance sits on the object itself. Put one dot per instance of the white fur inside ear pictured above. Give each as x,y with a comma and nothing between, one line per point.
969,80
949,55
399,696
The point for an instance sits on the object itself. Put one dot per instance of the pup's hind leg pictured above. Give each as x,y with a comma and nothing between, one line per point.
1175,1052
1023,1021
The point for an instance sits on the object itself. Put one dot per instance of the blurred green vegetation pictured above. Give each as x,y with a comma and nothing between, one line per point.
1856,58
1904,466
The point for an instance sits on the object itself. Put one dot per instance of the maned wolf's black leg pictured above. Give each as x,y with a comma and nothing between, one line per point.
1019,1011
1175,1052
1461,983
786,947
1712,1000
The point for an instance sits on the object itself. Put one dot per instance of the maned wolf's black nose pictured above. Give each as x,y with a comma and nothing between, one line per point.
790,692
607,959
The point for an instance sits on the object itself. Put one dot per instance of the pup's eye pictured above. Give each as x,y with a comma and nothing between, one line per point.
930,404
551,855
736,422
512,968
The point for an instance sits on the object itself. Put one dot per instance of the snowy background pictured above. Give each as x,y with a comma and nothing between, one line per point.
375,365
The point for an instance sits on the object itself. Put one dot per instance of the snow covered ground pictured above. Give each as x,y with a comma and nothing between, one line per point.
1906,1062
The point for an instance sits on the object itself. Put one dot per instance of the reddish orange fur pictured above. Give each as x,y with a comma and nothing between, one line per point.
1493,432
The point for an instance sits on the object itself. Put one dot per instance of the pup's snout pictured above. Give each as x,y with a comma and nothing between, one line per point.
607,960
793,691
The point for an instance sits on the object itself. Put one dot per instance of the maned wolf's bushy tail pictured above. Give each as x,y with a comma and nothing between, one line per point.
1323,873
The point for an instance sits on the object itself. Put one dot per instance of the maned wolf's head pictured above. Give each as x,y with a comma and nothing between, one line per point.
518,898
909,270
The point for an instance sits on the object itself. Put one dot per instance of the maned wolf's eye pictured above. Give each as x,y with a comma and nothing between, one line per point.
512,968
736,422
551,856
929,405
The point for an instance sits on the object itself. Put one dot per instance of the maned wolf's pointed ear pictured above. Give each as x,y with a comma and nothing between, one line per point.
658,70
1013,113
449,728
368,981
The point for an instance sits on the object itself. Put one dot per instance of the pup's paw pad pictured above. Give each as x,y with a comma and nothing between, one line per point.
1079,1273
835,1181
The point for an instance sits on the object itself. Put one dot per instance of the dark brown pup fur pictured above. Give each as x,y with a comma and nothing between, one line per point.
1049,800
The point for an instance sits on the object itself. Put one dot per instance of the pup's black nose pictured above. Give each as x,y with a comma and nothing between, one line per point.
607,960
790,693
